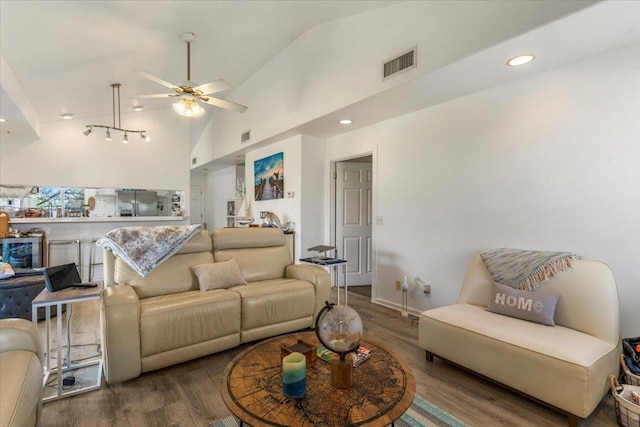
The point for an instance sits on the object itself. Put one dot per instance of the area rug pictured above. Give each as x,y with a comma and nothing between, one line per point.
420,413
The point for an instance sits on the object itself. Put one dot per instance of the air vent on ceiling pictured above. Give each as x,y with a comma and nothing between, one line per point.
402,62
245,136
194,160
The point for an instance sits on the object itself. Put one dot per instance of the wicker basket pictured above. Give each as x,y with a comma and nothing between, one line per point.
630,377
627,412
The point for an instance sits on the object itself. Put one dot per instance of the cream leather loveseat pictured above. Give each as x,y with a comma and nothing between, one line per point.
164,318
21,369
565,366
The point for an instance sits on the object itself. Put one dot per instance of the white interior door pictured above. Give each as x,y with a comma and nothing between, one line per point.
354,220
196,213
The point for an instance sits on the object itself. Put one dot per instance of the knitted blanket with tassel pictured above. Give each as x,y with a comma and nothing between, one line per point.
525,269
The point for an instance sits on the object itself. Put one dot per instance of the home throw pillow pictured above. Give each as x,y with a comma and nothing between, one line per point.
218,275
532,306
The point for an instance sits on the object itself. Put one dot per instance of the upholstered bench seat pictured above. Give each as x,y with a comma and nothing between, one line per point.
16,295
542,361
566,366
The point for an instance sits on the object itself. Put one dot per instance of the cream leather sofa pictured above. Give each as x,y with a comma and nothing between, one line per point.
21,369
565,366
163,319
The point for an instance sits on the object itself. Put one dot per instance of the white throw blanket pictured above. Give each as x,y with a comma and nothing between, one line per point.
145,248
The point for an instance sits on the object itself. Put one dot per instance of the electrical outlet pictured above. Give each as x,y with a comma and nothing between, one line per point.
398,285
427,289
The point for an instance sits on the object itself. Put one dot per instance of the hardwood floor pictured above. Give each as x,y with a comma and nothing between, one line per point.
188,394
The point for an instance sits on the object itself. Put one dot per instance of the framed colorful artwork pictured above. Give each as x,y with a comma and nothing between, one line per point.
268,175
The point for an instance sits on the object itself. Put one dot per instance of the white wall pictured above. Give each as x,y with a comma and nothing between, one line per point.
548,163
64,157
339,63
287,209
220,187
312,191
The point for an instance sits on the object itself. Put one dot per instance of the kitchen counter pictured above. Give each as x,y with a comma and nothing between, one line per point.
40,220
86,229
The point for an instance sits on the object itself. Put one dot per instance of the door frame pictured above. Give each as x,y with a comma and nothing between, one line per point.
202,202
333,207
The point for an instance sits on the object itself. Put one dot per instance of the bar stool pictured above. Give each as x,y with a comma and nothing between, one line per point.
54,243
92,245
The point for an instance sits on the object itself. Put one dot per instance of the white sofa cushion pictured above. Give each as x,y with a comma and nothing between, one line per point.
556,365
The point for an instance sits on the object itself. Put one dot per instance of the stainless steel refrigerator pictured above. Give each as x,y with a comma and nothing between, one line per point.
137,203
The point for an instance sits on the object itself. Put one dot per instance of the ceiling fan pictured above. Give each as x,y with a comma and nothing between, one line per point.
190,92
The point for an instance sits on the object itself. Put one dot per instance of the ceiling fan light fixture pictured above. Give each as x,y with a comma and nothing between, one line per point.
190,92
188,108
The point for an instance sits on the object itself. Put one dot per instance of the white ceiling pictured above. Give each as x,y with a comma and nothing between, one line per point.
65,54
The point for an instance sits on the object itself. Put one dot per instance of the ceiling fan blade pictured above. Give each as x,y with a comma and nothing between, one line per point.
156,79
157,95
213,87
223,103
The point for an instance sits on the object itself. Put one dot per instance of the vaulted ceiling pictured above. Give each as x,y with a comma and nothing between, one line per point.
65,54
61,56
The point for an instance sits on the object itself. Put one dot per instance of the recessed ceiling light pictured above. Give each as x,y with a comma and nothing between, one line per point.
66,116
2,119
346,121
138,107
521,60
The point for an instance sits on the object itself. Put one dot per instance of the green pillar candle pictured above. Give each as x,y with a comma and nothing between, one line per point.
294,375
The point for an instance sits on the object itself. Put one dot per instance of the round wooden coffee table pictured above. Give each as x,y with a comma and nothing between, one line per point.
383,388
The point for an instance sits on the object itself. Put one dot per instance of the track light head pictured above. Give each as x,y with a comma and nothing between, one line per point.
125,139
145,137
87,132
107,136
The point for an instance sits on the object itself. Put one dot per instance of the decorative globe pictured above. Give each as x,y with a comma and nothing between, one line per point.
339,328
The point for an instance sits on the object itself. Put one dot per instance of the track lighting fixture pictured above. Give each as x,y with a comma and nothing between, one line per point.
115,87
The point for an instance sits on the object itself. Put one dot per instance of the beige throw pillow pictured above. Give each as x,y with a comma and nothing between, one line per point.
218,275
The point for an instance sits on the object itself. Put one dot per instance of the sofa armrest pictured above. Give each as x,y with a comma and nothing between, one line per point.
120,332
108,267
20,334
318,276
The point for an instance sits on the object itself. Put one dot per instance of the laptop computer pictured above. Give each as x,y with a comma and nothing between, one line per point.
63,276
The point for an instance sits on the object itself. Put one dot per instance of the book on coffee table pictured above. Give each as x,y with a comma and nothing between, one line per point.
359,355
